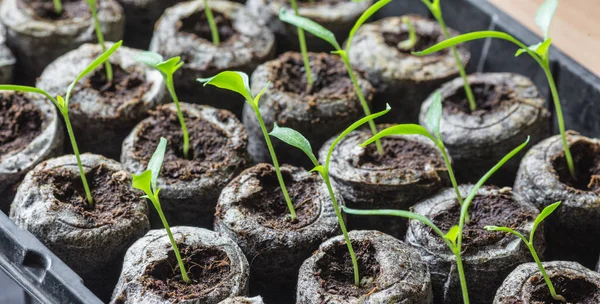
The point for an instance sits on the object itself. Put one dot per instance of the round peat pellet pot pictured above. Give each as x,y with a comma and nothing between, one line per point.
390,272
38,35
410,169
573,230
51,204
253,212
31,132
509,108
7,59
318,112
526,284
103,112
338,16
183,31
400,78
243,300
488,257
189,186
215,264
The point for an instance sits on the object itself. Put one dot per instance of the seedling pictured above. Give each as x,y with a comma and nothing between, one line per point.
100,37
58,7
436,10
303,49
295,139
539,52
214,31
146,181
323,33
167,68
63,106
529,242
409,43
238,82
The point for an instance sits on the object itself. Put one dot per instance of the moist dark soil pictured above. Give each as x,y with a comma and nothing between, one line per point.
493,210
124,87
207,144
489,99
586,159
399,154
44,9
423,41
337,274
330,77
20,122
207,268
575,290
268,204
197,24
111,191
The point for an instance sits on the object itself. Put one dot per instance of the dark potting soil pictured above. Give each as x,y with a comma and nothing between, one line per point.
112,193
575,290
423,42
489,99
197,24
207,268
268,204
586,159
337,273
44,9
494,210
207,144
399,154
20,122
124,87
330,77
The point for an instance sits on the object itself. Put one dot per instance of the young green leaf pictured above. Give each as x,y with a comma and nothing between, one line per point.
58,9
20,88
541,49
170,66
295,139
434,114
156,161
456,40
309,26
260,94
405,129
231,80
149,58
412,36
362,19
544,15
452,234
143,182
542,216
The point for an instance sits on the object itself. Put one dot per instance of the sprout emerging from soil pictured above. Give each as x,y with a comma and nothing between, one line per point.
409,43
295,139
63,106
529,242
323,33
146,181
167,68
303,49
238,82
100,37
214,31
539,52
58,7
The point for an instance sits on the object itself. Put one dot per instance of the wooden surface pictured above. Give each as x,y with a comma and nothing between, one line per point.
575,29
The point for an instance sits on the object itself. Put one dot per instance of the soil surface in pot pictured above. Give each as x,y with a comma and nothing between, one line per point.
330,77
423,42
20,122
489,99
206,267
268,204
586,158
493,210
124,87
207,144
104,184
399,154
44,9
336,271
197,24
575,290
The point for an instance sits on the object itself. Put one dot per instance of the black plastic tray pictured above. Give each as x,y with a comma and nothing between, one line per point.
48,280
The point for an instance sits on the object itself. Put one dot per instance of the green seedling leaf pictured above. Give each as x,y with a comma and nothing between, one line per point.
541,49
150,59
295,139
260,94
361,20
412,36
544,15
405,129
156,161
541,217
466,38
143,182
28,89
309,26
170,66
231,80
320,169
452,234
62,106
508,230
434,114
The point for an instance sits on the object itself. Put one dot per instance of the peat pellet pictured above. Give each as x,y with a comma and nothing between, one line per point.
573,230
37,35
31,132
189,187
401,79
243,300
509,109
183,31
103,112
215,264
410,169
390,271
526,284
141,17
318,112
338,16
51,204
488,257
7,59
253,212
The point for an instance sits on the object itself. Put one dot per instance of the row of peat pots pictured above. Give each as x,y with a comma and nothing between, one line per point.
224,203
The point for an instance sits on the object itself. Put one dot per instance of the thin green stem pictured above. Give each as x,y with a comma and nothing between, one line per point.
288,201
100,37
303,50
461,275
58,6
86,187
440,146
184,130
361,97
544,274
409,43
211,23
